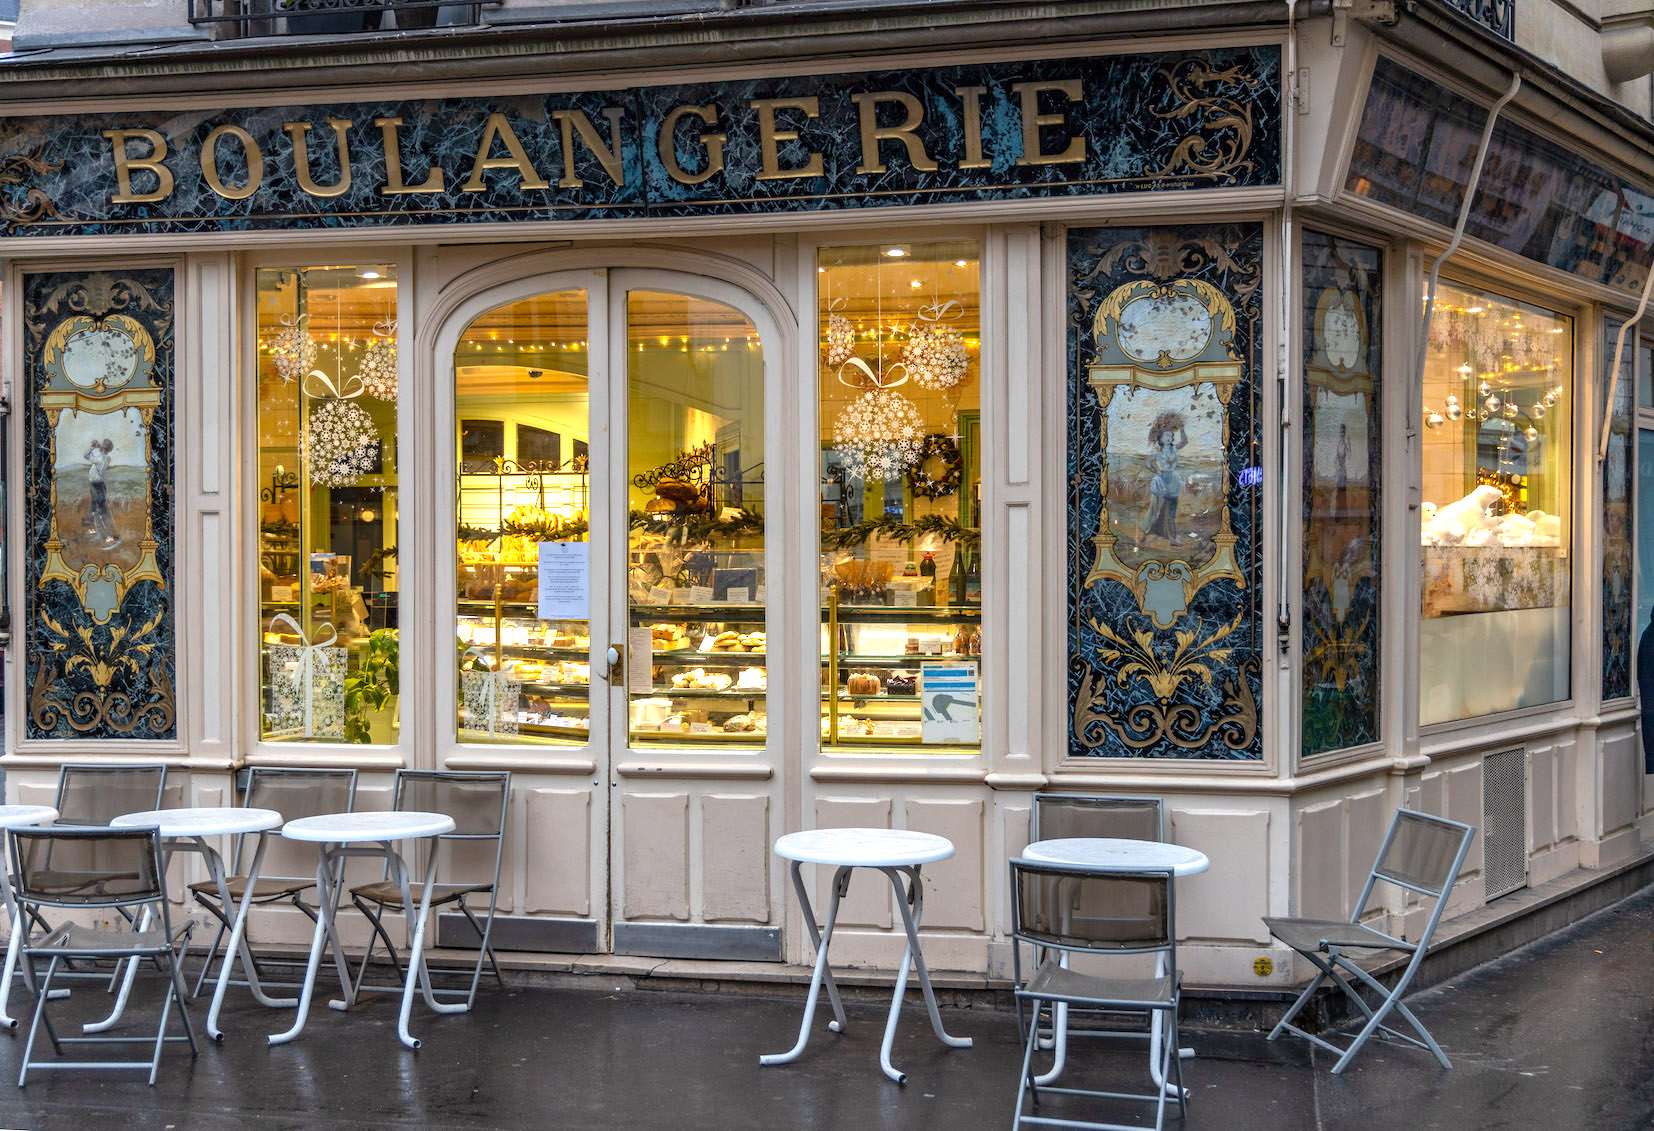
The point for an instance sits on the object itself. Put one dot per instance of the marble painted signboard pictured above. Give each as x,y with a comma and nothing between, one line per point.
1164,486
98,636
972,132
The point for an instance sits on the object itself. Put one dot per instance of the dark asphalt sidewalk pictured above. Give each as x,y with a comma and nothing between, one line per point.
1555,1035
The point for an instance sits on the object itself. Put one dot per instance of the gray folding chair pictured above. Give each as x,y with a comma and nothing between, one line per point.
1096,911
1420,853
1060,816
293,793
477,802
88,869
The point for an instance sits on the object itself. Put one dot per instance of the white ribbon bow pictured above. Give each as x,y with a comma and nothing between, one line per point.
493,684
894,374
348,389
304,672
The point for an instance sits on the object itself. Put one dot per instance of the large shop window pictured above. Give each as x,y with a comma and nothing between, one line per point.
521,428
327,388
1496,514
901,497
1343,465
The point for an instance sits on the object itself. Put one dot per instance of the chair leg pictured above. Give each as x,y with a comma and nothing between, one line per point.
206,963
379,929
1030,1037
1303,1000
178,991
34,1026
487,947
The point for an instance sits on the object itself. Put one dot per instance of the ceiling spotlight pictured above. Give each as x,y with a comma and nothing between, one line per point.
895,252
370,273
959,263
916,283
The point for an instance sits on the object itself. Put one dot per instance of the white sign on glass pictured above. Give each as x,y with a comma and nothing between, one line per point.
565,580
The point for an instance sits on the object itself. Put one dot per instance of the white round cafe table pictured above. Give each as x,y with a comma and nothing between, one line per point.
187,830
17,817
339,835
896,853
1098,852
1104,852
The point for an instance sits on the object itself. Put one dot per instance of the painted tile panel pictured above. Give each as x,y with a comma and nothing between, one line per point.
1617,487
1164,491
99,656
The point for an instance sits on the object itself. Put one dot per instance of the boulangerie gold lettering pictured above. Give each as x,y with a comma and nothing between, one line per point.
389,130
970,98
873,134
768,135
1032,120
714,143
250,151
299,132
498,127
125,163
608,154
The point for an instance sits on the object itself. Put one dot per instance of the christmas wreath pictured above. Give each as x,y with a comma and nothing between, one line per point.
928,486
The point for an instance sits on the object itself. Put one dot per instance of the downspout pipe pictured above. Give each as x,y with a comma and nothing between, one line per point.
1452,247
1283,349
1619,357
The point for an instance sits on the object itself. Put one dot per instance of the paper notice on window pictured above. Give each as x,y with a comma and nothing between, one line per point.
565,580
640,653
949,702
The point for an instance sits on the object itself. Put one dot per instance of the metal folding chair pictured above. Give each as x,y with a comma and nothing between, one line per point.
1420,853
1096,911
90,869
293,793
477,802
1059,816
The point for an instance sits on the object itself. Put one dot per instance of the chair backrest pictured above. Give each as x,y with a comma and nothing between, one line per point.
88,867
476,800
1423,854
1112,910
95,795
294,792
1059,816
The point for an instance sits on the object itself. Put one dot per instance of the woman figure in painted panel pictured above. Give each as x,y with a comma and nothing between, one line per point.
1167,437
98,519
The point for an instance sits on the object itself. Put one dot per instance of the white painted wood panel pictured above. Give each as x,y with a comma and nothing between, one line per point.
735,858
655,875
557,841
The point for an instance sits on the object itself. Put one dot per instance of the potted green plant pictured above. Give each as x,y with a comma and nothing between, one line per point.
371,690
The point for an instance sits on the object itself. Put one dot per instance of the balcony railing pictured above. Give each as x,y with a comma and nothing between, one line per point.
325,17
1498,15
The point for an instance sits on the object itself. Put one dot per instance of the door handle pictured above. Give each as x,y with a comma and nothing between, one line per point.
616,657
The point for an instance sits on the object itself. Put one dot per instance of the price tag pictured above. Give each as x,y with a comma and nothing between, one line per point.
680,596
640,647
659,595
708,641
758,597
906,599
281,592
737,597
700,595
700,728
930,646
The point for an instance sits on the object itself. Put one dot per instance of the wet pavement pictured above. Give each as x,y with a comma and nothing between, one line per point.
1556,1035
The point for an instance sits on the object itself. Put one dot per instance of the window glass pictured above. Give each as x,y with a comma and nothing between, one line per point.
1645,533
696,578
327,387
1343,462
1496,516
901,571
524,677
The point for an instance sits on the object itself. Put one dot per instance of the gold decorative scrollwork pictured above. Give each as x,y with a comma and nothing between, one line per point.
1221,134
19,169
1147,724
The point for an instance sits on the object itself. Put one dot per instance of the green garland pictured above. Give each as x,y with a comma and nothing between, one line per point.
930,525
556,530
700,527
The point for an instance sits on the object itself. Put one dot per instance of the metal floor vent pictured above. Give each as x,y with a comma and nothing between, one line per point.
1504,822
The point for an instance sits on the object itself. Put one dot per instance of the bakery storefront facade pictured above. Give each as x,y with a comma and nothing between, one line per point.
727,453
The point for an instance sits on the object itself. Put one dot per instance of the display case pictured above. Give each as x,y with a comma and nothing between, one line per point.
522,677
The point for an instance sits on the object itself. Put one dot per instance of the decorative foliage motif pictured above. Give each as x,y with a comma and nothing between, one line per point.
1342,493
1164,473
98,638
292,349
377,372
21,206
1221,123
341,444
935,354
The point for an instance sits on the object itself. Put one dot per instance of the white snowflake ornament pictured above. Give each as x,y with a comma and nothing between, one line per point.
291,349
340,445
378,369
879,435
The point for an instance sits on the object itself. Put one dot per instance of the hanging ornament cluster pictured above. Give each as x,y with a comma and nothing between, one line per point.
291,349
377,372
840,336
341,443
935,353
880,434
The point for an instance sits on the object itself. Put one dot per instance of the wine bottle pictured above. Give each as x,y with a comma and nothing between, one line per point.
927,569
973,581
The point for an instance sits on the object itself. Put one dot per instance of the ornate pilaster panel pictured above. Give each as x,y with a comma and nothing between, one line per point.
98,505
1164,481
